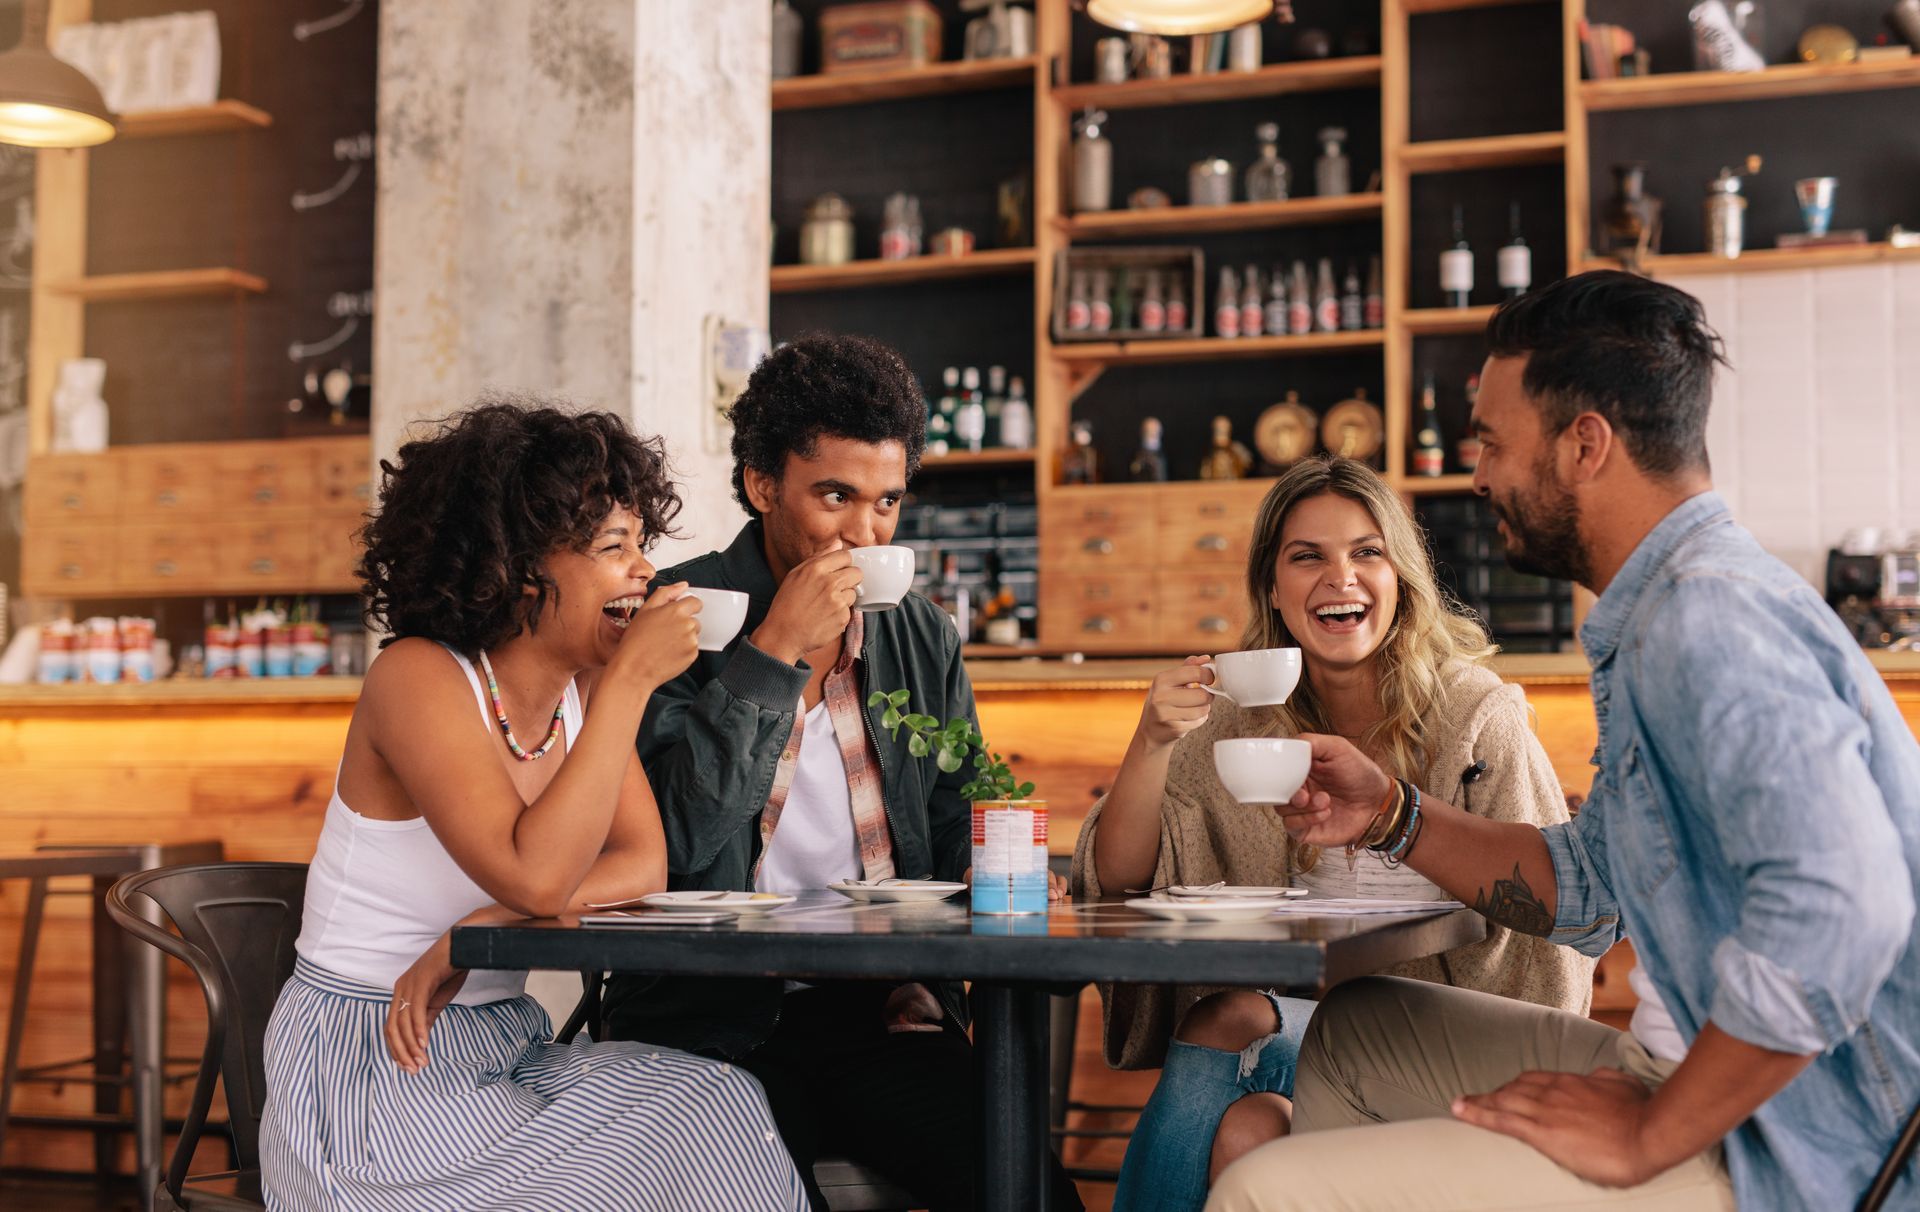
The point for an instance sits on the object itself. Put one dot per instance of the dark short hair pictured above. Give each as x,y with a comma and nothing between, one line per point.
1636,351
471,510
824,385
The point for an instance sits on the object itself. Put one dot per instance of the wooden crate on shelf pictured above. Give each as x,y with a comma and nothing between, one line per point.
1188,263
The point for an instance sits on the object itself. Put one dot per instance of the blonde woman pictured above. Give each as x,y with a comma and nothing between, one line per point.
1339,569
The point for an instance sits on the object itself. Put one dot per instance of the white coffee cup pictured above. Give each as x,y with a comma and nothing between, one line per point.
1262,770
886,574
721,613
1263,677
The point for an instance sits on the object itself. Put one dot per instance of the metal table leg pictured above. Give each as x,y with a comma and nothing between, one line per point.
147,1012
1010,1055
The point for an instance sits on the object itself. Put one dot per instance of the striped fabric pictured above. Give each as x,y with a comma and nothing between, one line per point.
501,1118
841,690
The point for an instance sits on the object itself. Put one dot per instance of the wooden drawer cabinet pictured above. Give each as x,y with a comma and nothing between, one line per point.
336,551
266,555
1097,528
342,474
65,488
255,476
159,557
1095,610
1205,523
1200,609
70,560
164,481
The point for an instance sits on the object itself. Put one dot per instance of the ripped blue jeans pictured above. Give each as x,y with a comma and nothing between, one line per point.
1166,1164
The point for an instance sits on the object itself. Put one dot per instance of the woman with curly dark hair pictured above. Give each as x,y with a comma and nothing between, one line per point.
507,560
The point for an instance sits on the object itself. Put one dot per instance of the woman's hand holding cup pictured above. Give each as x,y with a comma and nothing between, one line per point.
1176,704
1343,793
662,637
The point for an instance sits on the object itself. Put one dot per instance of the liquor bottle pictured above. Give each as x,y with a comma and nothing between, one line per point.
1153,306
1081,462
1299,301
1149,465
940,420
1177,304
1252,309
970,417
1268,177
1276,317
1016,417
1331,178
951,596
1326,299
1515,267
1226,304
1123,301
1352,306
1376,301
1079,311
1100,303
1467,449
1429,456
1456,265
996,404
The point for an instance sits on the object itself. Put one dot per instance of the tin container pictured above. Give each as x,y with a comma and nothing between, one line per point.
826,238
877,37
1010,856
1210,183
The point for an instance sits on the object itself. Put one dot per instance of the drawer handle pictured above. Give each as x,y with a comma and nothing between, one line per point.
1210,542
262,566
1099,623
264,495
71,501
1096,515
1213,623
362,492
71,572
1099,593
1213,591
1097,546
166,496
165,568
1213,509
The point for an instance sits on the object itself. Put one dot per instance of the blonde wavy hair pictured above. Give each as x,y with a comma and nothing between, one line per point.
1430,629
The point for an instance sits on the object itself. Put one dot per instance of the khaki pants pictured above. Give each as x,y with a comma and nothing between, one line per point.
1372,1129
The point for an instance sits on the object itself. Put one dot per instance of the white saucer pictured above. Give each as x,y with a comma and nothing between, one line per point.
904,890
1250,892
1194,909
709,902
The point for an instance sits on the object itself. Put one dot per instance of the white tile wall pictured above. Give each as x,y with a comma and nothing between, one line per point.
1816,429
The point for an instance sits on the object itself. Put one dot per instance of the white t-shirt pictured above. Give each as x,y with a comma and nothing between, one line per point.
814,844
1652,1024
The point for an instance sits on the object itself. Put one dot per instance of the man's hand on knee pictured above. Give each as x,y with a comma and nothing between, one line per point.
1590,1124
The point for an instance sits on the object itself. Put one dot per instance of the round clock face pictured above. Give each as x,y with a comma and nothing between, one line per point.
1353,429
1285,433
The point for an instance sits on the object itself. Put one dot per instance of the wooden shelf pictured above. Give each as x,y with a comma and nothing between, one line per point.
1447,321
1433,486
1454,6
227,115
1213,349
934,80
1311,76
1239,216
962,459
1761,260
1497,151
788,279
1788,80
164,284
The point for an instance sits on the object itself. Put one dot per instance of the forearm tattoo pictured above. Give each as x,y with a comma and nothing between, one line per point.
1511,903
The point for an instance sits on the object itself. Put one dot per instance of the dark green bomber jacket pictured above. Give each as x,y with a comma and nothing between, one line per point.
709,743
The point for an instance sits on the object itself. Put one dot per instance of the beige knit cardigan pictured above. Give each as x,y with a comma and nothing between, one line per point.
1206,835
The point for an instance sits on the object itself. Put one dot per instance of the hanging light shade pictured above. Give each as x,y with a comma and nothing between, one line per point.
1177,18
45,102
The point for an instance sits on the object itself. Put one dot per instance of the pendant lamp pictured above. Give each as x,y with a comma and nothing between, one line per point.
45,102
1177,18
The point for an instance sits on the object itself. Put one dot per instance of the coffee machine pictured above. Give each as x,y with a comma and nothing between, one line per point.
1877,592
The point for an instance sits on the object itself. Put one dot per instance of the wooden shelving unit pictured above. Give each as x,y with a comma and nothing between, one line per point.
221,116
1238,216
1447,321
1495,151
1313,76
1416,7
963,459
1712,88
934,80
1433,486
162,284
1761,260
1215,349
790,279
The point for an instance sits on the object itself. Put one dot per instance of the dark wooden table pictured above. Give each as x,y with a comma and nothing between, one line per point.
1013,962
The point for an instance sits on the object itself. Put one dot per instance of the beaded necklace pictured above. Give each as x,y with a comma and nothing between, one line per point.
500,713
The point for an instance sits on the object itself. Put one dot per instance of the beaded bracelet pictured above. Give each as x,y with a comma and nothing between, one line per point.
1403,845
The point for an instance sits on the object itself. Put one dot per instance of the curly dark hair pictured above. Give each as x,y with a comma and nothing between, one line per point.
470,511
824,384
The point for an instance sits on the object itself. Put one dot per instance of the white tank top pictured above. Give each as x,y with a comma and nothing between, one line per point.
379,893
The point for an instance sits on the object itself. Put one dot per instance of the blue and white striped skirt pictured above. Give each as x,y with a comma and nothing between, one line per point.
501,1117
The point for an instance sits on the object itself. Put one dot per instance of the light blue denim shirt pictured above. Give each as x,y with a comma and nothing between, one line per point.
1754,828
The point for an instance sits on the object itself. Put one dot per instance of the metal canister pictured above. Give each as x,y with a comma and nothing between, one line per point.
1243,48
1110,60
1092,165
1725,216
1210,183
826,238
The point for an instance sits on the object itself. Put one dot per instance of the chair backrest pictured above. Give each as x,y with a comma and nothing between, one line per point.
237,924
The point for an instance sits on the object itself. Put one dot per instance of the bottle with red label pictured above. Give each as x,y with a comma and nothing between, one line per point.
1429,455
1226,304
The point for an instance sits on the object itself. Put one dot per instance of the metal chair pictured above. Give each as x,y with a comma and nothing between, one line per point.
237,924
1897,1159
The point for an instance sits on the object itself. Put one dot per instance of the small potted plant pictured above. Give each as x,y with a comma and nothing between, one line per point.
1009,826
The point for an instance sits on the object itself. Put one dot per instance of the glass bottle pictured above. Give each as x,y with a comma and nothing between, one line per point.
1299,301
1081,462
1515,263
1352,306
1267,177
1429,456
1252,308
1016,417
789,32
1153,306
1149,464
940,420
996,404
1326,299
970,417
1177,304
1100,303
1092,164
1079,310
1276,318
951,596
1331,175
1456,264
1226,304
1375,304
